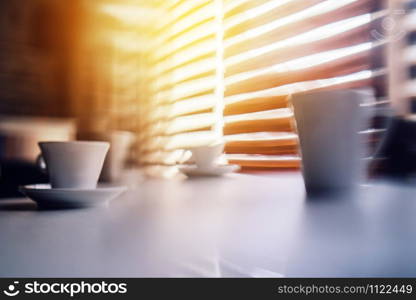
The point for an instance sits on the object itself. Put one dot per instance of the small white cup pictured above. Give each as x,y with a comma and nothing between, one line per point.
74,164
206,156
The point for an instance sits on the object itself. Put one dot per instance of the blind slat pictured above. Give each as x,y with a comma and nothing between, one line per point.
321,14
192,54
255,104
180,10
262,139
191,123
259,121
197,70
330,37
188,89
264,161
198,34
320,66
238,67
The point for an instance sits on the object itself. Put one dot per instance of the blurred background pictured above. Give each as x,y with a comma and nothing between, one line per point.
157,77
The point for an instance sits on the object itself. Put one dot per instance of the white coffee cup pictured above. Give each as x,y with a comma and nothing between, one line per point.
207,156
74,164
332,150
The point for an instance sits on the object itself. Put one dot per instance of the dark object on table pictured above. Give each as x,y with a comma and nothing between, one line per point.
19,138
15,173
398,149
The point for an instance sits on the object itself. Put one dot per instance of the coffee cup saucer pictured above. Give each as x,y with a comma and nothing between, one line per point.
214,170
47,197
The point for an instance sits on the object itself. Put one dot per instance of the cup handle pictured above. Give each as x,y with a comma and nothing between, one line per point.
40,163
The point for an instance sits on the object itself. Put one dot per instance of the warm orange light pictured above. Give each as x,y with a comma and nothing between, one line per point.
321,8
255,12
317,34
130,14
301,63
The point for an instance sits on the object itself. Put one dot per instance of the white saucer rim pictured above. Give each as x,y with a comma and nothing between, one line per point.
193,170
45,187
77,197
214,168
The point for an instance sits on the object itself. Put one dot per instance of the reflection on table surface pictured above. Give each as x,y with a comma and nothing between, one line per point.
240,225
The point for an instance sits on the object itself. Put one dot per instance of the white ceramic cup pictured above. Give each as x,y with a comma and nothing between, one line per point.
74,164
332,150
206,156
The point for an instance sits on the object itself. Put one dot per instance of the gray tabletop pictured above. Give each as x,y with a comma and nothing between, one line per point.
241,225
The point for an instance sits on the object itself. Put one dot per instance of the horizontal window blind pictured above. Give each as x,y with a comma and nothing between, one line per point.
186,73
182,110
109,77
274,49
